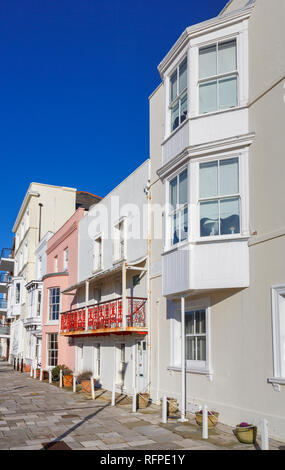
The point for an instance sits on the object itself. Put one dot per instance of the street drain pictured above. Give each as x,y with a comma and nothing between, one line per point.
55,445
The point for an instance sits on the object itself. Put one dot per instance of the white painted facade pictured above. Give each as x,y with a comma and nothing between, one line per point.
228,287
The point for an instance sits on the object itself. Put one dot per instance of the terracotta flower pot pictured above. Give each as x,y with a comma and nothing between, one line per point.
38,373
142,400
68,380
212,419
246,434
27,368
86,385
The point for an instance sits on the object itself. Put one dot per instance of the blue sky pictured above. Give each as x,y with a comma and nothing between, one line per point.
74,85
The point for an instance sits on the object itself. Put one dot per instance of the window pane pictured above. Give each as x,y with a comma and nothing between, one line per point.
201,348
183,76
184,224
189,323
227,57
190,349
173,86
175,117
229,177
208,62
228,92
208,97
209,179
183,187
230,218
209,218
200,322
173,193
183,108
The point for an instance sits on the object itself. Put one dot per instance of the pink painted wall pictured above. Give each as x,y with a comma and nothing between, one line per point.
65,237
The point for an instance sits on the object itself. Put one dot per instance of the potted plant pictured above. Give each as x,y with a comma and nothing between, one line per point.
84,379
142,400
67,377
246,433
56,372
213,417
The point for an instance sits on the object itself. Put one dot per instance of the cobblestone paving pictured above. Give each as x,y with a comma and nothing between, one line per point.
34,412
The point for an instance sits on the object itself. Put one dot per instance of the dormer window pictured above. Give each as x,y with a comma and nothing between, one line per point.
178,95
218,77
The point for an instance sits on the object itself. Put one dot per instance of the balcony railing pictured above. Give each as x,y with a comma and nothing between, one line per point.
5,278
105,316
7,253
3,304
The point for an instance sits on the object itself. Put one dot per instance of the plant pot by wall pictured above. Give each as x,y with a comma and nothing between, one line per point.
212,419
68,380
86,386
38,373
27,368
246,435
142,400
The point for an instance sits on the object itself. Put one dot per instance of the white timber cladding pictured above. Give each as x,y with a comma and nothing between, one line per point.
218,124
278,331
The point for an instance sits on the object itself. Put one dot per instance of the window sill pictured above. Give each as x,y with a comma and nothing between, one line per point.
220,238
98,270
276,380
215,113
175,131
206,372
52,323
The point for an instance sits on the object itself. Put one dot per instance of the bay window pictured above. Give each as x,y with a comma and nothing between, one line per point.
218,77
178,95
219,198
178,199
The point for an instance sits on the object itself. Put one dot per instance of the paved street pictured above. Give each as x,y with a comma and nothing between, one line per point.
34,412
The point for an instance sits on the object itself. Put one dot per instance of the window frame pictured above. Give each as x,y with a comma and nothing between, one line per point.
65,259
180,94
97,255
220,198
17,293
276,292
50,366
179,210
196,363
219,76
50,319
120,254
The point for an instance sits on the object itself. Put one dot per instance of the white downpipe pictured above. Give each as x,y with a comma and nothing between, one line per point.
92,388
86,304
113,402
264,435
164,409
183,368
60,378
134,403
205,422
124,295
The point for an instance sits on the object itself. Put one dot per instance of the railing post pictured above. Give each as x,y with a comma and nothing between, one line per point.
264,435
113,401
22,364
60,378
86,304
134,403
74,383
124,295
31,371
41,375
164,409
35,372
49,376
92,388
205,422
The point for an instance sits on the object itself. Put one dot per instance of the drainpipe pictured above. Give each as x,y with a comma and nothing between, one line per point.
86,304
183,363
124,295
40,220
149,337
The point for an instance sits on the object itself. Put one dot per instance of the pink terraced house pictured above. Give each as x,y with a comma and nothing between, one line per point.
62,269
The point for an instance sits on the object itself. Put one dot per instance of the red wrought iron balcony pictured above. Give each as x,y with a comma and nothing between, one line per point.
105,317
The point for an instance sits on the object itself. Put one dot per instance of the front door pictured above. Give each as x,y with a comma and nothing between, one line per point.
141,366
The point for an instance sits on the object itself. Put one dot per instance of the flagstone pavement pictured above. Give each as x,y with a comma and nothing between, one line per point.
34,412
